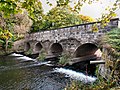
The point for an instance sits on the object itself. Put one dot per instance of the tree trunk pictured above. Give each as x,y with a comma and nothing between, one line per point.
6,45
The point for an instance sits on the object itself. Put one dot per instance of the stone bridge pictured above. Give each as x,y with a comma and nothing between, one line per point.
76,41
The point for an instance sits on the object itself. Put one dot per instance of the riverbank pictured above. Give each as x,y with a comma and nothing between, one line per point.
4,53
98,85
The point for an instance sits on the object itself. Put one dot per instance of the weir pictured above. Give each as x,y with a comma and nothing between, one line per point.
83,59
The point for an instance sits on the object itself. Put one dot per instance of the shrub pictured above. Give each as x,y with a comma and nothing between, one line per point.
64,59
41,57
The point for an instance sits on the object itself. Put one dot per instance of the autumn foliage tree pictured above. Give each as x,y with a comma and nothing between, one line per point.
22,24
5,32
5,36
86,19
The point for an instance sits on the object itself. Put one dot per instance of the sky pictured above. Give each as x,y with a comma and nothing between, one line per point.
94,10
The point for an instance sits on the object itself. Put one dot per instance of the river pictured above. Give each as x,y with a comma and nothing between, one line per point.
18,72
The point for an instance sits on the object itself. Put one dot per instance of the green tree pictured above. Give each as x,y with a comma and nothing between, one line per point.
61,16
9,8
33,9
35,12
105,17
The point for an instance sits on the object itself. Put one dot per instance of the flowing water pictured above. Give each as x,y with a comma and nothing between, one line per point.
18,72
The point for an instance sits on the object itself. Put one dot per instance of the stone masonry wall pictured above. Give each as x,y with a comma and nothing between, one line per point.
111,68
82,31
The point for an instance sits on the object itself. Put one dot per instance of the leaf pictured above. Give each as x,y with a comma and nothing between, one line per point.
50,4
1,41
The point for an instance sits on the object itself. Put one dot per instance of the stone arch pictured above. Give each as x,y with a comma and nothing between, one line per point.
56,49
27,46
87,49
71,38
38,47
70,43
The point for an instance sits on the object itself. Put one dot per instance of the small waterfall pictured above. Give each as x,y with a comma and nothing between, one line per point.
17,55
24,58
20,56
36,64
21,61
76,75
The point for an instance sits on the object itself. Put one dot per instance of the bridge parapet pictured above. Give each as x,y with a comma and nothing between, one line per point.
78,31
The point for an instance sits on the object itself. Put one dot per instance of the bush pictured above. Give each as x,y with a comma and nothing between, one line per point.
64,59
41,57
113,38
29,52
100,84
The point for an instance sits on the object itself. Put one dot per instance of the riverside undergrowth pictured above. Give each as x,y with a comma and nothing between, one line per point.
99,84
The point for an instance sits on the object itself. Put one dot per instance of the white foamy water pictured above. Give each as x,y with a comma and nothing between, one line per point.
37,64
24,58
14,54
48,64
76,75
